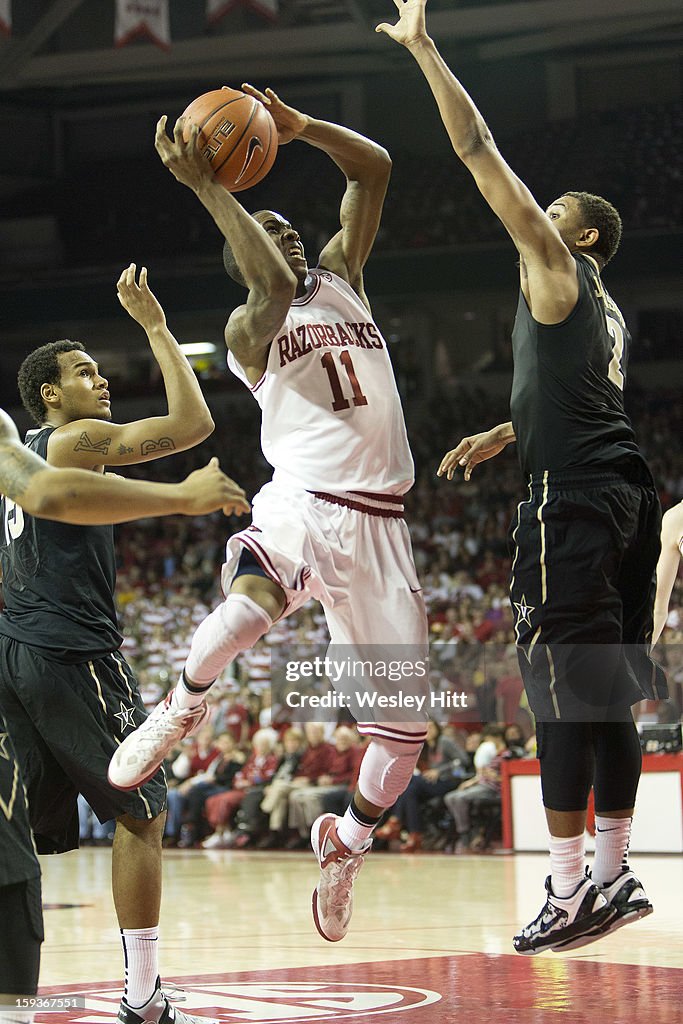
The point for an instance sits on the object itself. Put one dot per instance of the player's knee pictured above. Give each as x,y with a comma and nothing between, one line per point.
386,769
263,592
150,830
565,754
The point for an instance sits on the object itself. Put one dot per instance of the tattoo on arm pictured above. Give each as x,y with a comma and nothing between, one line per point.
16,470
164,444
86,445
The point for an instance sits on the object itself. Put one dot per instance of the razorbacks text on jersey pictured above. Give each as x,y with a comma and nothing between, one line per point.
331,412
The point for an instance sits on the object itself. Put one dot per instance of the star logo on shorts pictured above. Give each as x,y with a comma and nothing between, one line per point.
126,716
4,752
524,611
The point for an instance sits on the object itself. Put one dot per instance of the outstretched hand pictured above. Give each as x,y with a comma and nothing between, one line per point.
471,451
410,27
137,299
289,122
184,160
208,489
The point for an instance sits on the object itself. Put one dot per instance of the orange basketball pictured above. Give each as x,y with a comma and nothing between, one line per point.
236,134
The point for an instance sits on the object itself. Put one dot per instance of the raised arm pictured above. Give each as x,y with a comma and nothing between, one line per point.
548,269
89,443
667,566
271,283
91,499
367,168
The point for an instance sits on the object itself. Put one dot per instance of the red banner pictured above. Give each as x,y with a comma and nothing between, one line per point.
142,17
6,17
216,9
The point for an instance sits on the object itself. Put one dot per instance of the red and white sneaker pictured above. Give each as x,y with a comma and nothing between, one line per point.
142,752
333,896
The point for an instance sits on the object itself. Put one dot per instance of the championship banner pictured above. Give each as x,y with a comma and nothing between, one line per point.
216,9
6,17
142,17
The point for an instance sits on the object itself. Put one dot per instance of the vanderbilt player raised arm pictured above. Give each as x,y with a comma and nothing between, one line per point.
585,542
330,524
65,690
31,487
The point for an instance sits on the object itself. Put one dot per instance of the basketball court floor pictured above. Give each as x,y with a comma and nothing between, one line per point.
429,943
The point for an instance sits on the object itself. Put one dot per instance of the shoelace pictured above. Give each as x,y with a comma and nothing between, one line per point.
546,916
161,728
343,875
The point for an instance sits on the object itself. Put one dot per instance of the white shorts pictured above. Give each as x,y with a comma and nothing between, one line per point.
352,552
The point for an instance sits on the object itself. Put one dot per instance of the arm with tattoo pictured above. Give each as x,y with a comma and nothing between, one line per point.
85,498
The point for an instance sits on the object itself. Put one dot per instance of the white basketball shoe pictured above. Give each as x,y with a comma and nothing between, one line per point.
333,896
142,752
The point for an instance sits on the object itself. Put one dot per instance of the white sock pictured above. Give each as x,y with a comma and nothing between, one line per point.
231,628
183,697
567,864
141,956
353,831
612,836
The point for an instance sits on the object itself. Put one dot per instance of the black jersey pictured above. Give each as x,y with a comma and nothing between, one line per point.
58,581
567,391
18,861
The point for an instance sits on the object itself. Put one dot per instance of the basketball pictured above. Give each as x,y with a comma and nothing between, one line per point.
237,135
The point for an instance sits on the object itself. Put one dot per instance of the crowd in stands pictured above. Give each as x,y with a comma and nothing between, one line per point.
258,778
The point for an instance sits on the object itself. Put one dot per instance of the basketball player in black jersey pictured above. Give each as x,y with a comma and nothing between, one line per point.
73,496
586,540
66,693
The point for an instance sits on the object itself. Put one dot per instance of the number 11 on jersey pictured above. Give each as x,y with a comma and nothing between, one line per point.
338,400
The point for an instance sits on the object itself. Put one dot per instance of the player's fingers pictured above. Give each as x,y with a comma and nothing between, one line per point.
445,464
178,130
143,277
214,462
272,95
237,507
160,133
122,280
130,275
193,133
256,93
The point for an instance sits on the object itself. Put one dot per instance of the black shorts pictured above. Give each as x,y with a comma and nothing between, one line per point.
584,551
66,722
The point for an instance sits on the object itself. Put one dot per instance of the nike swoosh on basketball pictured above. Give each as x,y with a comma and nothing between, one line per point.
254,144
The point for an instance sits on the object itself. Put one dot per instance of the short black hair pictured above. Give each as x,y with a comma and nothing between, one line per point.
598,213
42,367
230,263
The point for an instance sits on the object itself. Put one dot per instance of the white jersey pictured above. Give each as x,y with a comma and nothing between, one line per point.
332,416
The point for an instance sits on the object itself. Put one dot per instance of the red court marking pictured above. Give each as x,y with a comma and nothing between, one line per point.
474,987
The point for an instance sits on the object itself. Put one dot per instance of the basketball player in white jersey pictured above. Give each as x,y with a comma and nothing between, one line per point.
667,566
330,524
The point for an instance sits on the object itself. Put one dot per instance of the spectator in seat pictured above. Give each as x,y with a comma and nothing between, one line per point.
258,770
483,789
